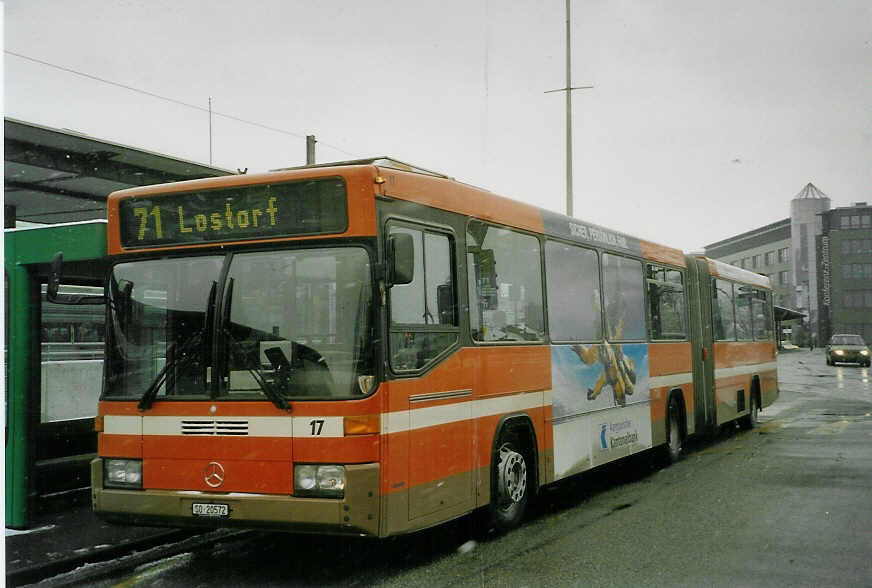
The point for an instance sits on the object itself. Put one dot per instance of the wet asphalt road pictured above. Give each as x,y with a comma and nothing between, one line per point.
788,504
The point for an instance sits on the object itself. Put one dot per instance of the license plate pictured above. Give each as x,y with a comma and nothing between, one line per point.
201,509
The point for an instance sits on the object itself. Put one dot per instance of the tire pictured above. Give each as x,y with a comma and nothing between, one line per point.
752,419
674,433
510,485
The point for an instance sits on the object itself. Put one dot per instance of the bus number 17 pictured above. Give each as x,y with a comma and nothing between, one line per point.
317,426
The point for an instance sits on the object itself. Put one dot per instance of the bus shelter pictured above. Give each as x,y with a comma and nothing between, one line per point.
53,362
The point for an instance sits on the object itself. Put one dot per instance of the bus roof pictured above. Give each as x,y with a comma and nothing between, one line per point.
731,272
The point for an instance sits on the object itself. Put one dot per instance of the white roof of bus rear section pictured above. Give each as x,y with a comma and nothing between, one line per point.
725,270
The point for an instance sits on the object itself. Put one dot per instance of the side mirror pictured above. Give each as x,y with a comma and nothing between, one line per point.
401,259
54,283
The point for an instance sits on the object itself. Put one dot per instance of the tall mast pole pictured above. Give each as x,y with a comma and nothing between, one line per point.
568,89
568,115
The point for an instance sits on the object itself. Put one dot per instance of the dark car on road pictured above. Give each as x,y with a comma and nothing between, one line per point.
848,349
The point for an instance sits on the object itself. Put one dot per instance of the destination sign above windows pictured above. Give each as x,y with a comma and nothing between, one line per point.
262,211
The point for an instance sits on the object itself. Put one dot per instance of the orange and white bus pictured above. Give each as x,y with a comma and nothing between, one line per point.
372,348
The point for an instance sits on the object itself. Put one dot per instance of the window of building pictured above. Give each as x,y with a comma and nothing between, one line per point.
666,304
770,258
757,260
505,284
865,221
784,255
846,247
574,306
784,277
855,221
845,221
624,298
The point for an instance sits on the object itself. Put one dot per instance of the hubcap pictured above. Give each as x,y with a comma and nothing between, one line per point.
513,475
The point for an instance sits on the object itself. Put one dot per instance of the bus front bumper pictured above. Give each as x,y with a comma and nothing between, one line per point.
355,514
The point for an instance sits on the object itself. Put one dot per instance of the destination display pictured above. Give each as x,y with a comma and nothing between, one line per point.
233,214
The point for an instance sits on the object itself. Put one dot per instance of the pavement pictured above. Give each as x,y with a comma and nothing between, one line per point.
67,535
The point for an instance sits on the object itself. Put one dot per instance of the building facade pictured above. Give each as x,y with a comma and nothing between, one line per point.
844,253
791,253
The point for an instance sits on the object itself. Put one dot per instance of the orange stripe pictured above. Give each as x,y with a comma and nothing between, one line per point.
119,445
669,358
733,354
208,448
662,253
461,198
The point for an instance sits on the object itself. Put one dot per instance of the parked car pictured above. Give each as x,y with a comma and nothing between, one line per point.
848,349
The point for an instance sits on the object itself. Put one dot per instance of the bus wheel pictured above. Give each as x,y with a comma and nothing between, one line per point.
674,435
751,420
511,492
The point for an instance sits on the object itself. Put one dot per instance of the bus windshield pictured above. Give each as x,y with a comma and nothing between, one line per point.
274,324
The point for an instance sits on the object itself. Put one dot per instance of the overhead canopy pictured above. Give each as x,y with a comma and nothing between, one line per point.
786,314
54,176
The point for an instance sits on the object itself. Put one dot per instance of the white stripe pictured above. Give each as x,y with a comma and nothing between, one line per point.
431,416
745,369
257,426
670,380
308,426
122,425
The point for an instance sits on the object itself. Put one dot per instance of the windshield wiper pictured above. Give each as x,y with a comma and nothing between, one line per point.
178,351
235,346
181,355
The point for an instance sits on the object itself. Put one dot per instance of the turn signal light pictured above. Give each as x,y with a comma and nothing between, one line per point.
367,424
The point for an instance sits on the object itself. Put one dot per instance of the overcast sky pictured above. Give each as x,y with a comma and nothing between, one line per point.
706,118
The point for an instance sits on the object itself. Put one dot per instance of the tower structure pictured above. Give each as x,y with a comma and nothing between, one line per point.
805,226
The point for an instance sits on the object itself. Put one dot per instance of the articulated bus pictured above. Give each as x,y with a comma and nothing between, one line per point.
371,348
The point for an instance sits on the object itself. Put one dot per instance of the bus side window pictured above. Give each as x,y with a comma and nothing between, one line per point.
623,298
574,306
666,304
505,286
723,316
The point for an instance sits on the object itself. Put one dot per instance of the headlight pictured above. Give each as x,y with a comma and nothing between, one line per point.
122,473
327,481
839,352
864,352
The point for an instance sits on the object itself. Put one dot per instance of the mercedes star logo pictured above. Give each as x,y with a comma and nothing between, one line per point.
214,474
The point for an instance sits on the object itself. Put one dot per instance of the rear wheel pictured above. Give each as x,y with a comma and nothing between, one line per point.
751,420
674,433
511,488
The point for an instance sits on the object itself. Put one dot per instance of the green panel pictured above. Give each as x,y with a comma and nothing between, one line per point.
17,386
78,241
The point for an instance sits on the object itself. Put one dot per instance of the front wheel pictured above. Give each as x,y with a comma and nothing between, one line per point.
511,489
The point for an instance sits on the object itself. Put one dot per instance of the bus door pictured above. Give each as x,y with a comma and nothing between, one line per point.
699,289
429,378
